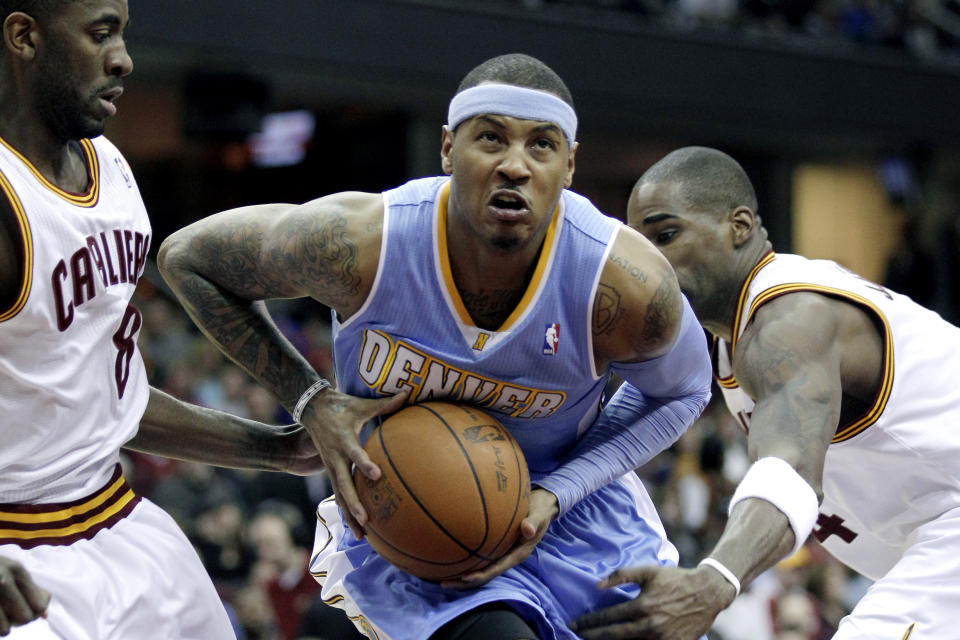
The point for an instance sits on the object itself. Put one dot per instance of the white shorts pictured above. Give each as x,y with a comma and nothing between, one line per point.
920,596
137,579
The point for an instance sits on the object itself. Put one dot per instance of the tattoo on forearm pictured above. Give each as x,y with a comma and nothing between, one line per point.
244,332
314,255
606,310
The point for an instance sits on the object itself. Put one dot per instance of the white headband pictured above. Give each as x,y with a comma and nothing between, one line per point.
514,101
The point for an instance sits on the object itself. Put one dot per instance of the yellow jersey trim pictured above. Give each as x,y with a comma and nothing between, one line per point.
26,236
847,431
738,319
63,514
729,382
86,199
445,269
72,529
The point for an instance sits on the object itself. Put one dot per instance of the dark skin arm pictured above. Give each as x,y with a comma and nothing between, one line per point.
11,271
222,268
21,600
176,429
797,357
637,315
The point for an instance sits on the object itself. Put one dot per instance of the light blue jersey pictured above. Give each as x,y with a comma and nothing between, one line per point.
535,373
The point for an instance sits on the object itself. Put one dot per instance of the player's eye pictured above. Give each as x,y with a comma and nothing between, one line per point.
543,144
665,236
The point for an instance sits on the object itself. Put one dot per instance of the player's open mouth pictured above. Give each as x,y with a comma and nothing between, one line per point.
508,205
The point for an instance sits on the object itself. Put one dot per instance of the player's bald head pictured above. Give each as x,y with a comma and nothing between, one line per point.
709,179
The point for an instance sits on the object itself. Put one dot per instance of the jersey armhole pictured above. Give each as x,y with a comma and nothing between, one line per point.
375,286
13,220
875,410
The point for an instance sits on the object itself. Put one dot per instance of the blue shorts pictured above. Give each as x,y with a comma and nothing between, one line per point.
616,526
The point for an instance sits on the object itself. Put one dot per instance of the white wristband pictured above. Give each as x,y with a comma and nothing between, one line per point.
774,480
726,573
311,391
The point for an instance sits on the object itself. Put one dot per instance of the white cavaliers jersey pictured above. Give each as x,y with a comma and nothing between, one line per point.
896,466
72,383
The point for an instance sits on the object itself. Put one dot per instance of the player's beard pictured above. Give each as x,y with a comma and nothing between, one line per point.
59,100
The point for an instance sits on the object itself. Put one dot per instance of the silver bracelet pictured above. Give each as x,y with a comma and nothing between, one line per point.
726,573
311,391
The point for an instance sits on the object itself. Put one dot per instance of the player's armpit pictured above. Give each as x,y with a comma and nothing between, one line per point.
12,260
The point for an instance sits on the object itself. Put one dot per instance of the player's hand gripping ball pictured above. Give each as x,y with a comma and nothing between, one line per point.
453,492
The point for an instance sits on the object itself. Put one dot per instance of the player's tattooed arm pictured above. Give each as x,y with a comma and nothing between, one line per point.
638,307
789,361
223,267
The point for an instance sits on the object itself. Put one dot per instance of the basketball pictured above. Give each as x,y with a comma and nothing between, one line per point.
452,494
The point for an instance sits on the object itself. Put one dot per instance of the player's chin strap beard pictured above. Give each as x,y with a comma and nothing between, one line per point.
517,102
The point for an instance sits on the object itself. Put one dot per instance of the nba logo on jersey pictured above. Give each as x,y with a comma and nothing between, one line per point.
551,339
123,171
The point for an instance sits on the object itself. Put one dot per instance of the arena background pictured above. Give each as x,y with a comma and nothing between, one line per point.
844,113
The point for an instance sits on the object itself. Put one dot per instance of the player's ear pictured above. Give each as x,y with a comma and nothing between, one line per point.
571,164
446,146
21,35
742,223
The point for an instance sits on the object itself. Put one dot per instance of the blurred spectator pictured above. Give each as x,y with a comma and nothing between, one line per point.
164,334
255,615
281,566
219,539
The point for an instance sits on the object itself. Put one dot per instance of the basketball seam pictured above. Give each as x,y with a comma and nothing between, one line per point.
486,522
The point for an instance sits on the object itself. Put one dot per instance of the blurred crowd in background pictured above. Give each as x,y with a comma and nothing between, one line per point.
928,29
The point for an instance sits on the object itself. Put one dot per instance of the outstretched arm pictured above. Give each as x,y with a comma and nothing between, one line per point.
789,361
223,267
176,429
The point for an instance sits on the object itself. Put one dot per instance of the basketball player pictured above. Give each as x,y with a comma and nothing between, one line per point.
81,556
849,394
495,286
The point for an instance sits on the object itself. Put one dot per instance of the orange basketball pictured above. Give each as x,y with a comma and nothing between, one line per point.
454,490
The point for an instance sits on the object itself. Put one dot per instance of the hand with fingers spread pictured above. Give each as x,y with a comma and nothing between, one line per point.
543,509
21,600
334,421
679,604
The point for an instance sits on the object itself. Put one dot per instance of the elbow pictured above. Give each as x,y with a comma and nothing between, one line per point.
664,319
170,258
